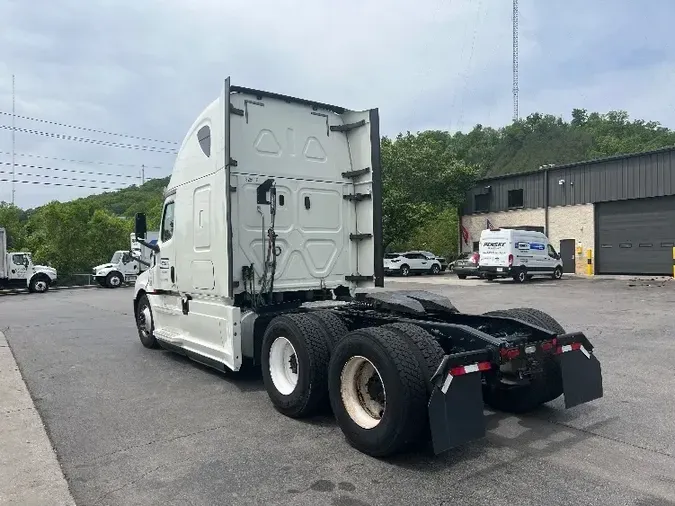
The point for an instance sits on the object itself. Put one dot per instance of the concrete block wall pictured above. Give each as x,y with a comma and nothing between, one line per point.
567,222
475,223
573,222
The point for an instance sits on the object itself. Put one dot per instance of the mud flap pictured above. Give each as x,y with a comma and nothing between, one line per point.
581,376
456,416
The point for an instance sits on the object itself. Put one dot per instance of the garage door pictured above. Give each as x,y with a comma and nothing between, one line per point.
636,236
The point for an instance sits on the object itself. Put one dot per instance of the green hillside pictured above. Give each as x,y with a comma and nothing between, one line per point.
425,178
542,138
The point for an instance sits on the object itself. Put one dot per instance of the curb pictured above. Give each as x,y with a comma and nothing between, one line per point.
30,473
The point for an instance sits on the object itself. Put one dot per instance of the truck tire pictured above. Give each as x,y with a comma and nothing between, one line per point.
145,323
537,317
113,280
39,284
543,388
557,273
332,324
405,270
426,349
520,276
294,360
377,391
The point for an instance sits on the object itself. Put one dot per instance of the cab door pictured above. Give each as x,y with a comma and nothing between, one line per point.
18,264
166,263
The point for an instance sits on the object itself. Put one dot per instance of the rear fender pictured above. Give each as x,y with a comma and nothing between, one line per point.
456,403
581,370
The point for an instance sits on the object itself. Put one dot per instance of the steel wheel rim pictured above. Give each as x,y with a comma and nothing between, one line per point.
115,281
145,321
40,286
558,273
283,365
359,380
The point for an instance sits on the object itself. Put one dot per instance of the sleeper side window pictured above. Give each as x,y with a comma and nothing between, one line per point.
167,222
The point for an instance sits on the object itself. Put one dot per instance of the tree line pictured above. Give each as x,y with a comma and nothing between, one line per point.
425,177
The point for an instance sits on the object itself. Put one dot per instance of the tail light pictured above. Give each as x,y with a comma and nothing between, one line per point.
474,258
510,260
509,353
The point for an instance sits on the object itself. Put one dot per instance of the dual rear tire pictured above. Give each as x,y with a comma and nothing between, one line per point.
377,379
543,388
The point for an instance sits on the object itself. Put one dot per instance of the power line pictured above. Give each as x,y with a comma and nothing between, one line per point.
58,177
86,129
90,141
87,172
87,162
47,183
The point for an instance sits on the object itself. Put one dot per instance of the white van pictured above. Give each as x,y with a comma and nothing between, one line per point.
520,254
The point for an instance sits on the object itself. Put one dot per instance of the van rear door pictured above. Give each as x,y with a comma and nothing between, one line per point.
494,248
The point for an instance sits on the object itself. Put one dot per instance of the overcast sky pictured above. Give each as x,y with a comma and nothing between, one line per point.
147,68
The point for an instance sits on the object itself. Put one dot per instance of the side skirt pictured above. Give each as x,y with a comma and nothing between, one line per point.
195,357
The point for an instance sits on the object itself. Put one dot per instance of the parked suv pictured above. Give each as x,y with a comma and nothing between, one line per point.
411,262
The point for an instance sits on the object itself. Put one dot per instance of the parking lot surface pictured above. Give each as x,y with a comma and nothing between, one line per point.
138,426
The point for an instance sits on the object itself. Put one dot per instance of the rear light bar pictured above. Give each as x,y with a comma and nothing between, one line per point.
573,347
467,369
461,370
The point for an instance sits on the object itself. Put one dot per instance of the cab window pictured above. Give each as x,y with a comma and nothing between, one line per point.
19,259
167,222
551,251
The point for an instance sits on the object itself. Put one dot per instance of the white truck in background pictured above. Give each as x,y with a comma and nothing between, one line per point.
125,266
17,270
275,205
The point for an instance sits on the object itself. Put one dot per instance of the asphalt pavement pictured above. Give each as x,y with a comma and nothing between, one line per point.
145,427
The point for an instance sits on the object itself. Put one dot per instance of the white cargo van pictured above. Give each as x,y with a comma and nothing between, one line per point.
520,254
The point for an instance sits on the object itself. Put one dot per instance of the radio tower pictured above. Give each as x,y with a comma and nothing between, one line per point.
515,60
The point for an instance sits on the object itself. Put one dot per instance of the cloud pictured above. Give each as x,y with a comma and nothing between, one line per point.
148,68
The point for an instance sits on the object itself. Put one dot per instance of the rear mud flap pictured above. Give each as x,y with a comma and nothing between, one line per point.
456,416
581,376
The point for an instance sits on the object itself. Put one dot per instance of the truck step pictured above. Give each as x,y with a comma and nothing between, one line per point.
357,197
359,237
355,173
347,127
358,277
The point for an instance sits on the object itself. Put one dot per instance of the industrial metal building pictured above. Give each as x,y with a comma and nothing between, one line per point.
621,208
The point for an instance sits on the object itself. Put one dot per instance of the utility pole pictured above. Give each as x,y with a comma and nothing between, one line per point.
13,137
515,61
143,174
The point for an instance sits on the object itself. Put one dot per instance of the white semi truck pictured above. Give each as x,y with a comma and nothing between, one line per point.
270,252
17,270
125,266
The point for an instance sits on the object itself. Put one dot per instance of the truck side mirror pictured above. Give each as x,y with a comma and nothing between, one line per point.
141,227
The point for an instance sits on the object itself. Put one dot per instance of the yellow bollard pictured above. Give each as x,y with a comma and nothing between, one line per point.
674,262
589,262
